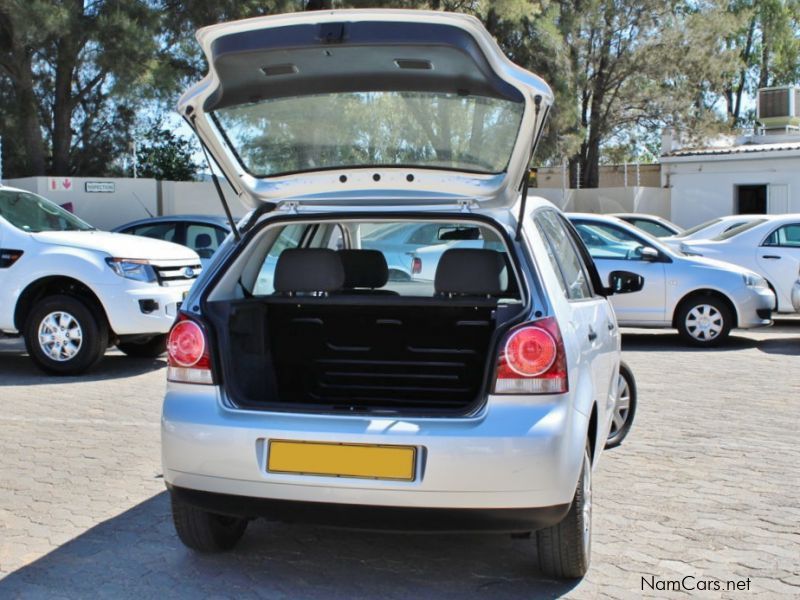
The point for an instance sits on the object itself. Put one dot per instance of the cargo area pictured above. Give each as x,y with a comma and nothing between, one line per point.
335,335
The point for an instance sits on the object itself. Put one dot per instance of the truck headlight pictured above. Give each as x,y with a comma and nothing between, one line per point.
754,281
131,268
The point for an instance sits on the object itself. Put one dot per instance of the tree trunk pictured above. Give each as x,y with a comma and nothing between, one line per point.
30,126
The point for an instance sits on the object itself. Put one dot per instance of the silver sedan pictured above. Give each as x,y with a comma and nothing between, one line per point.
703,299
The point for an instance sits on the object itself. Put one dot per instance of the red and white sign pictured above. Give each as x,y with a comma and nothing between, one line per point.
59,184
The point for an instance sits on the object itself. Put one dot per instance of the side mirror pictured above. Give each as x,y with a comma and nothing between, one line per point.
624,282
649,254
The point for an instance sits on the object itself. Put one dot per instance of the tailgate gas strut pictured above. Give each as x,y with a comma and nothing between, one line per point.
234,229
526,176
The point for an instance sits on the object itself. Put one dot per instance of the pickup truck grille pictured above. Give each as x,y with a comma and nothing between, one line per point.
177,274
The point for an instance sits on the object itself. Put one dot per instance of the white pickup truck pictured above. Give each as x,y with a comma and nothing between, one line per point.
73,291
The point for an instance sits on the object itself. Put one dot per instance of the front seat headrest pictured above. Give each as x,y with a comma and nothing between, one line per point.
308,270
470,272
364,268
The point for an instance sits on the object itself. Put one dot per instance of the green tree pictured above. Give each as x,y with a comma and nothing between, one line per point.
166,156
69,69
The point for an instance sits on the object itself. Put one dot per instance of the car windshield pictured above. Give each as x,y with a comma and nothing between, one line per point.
365,129
737,230
34,214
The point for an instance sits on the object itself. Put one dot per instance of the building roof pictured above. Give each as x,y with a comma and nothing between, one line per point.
736,149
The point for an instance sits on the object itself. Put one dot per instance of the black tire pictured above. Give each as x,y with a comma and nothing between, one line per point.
719,318
563,551
398,275
150,348
93,330
623,416
204,531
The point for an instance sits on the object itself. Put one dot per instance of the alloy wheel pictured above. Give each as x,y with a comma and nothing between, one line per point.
622,408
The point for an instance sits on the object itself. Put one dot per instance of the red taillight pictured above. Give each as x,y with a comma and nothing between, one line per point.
416,265
188,358
532,360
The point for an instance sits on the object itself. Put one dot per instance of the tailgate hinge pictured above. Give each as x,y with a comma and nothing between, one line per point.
466,205
289,206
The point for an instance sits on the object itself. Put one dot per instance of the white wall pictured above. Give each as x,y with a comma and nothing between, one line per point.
705,188
654,201
198,197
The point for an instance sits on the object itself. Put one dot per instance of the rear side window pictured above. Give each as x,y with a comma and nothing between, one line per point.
158,231
787,236
290,237
204,239
565,259
737,230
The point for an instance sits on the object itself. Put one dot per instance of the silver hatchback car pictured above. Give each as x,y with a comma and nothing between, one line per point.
329,392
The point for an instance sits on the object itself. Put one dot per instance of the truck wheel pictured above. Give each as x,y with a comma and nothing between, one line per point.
63,337
704,321
624,407
564,549
204,531
148,348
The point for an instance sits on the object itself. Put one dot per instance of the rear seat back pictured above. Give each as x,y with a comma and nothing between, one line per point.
470,272
308,270
364,272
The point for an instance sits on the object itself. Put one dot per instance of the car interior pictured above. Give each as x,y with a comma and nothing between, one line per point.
334,332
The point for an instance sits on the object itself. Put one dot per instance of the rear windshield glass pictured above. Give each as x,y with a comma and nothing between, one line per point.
34,214
360,129
737,230
411,251
697,228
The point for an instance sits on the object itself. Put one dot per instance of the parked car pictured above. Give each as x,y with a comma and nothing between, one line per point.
768,245
73,291
709,229
703,299
201,233
398,244
332,395
796,296
656,226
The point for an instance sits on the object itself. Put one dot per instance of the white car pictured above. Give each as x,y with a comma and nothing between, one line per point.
709,229
703,299
768,245
73,291
329,393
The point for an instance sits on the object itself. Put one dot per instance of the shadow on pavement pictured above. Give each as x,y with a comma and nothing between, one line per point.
137,554
670,342
16,368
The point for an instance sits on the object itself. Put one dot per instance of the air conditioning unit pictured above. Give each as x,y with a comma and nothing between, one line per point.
779,107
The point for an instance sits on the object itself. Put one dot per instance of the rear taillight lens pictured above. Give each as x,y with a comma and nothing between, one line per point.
416,266
532,360
188,357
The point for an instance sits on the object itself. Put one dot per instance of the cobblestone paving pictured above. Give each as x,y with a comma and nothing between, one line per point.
706,486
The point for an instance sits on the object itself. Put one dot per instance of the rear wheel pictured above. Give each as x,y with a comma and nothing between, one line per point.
204,531
63,337
704,321
624,407
564,549
148,348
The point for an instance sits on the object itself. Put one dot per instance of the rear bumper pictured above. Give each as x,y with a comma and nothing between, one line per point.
796,296
519,452
379,518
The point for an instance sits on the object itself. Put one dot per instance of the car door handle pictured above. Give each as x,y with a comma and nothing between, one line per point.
592,334
772,256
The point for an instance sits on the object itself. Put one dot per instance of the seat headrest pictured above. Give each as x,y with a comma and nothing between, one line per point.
470,272
364,268
308,270
203,240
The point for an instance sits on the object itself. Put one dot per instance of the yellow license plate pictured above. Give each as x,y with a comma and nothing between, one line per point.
342,460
